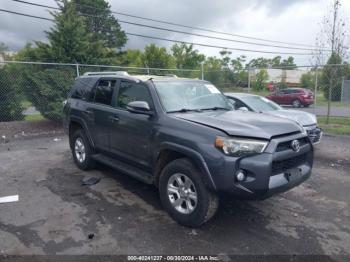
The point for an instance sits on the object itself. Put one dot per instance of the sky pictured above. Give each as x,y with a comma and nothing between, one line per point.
296,21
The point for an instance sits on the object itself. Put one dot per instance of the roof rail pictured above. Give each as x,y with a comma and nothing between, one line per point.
118,73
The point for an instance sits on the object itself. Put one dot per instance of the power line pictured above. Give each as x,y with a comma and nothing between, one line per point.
197,28
176,31
215,46
170,40
176,24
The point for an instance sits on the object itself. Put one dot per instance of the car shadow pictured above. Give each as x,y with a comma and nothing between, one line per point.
230,209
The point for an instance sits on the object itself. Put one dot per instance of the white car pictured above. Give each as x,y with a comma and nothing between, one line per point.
259,104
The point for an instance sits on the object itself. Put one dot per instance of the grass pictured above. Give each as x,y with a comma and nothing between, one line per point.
33,118
26,104
337,125
322,101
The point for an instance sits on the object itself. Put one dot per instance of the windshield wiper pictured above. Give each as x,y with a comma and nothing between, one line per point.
184,110
216,108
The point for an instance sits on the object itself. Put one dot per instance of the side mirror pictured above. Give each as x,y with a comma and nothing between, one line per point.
243,108
139,107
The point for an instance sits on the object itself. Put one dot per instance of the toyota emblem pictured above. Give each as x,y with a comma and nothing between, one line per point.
295,145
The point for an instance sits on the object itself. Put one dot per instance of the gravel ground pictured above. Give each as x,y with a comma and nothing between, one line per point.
56,215
28,129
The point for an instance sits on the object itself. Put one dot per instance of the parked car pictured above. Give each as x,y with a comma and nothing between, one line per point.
296,97
183,136
259,104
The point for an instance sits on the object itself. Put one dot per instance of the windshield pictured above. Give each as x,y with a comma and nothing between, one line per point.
261,104
190,95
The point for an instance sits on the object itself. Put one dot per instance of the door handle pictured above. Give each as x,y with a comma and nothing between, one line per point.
88,112
114,118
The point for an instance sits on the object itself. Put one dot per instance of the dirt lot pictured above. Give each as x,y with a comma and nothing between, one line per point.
56,215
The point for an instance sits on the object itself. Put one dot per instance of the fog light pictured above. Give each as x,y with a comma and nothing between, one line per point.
240,176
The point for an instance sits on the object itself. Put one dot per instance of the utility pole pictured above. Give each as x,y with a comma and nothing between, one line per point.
315,92
202,70
248,79
332,70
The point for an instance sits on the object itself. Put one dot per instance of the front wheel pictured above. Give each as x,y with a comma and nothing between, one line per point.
184,195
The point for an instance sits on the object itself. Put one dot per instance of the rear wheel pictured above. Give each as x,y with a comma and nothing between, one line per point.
296,103
81,150
184,195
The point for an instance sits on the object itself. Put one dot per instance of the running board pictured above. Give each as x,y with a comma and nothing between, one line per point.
124,168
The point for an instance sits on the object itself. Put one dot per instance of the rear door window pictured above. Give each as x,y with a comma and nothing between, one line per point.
104,92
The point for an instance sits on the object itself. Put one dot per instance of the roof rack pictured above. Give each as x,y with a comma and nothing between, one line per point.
118,73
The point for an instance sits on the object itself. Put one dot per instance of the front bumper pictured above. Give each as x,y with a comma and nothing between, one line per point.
276,170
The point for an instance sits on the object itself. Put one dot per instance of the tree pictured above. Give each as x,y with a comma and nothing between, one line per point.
130,57
187,58
101,22
47,88
288,64
227,72
333,35
69,40
332,78
3,48
307,80
240,74
158,57
262,62
212,68
260,80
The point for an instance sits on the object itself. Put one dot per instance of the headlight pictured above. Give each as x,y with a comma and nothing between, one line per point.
240,147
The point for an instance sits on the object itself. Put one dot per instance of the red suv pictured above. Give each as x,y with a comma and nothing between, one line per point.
296,97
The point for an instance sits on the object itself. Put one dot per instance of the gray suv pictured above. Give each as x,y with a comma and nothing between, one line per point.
183,136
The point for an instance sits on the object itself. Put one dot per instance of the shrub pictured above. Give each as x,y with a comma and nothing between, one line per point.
47,89
10,98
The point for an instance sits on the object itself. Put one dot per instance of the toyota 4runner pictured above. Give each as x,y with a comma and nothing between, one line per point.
183,136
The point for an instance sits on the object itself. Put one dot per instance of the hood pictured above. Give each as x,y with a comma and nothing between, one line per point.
303,118
243,123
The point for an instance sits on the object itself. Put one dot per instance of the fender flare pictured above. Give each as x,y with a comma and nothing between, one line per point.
81,122
194,156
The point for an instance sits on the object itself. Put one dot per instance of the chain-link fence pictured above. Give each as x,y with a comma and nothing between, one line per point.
34,91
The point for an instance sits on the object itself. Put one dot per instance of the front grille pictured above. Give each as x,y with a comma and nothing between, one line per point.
283,165
287,145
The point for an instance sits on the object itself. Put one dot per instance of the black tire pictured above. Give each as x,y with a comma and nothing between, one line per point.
88,163
207,201
296,103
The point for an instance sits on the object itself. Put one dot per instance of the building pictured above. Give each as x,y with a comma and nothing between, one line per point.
291,77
